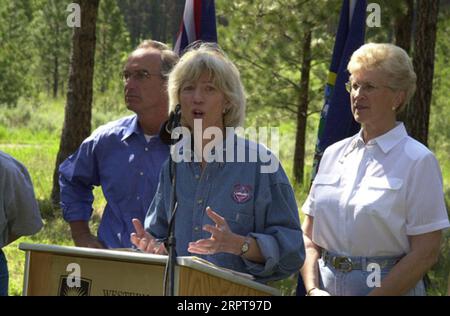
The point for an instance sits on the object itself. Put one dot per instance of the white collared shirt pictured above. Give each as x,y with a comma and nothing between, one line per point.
366,199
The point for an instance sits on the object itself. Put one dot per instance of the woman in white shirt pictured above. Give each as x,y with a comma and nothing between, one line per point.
375,213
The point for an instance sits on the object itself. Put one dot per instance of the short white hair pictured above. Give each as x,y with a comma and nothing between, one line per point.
393,61
224,75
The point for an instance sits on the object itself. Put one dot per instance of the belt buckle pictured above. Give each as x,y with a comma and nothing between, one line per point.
343,263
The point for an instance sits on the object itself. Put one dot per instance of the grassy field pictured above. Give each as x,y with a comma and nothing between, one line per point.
30,133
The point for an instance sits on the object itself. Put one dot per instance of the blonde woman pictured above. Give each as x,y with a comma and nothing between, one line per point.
229,212
375,213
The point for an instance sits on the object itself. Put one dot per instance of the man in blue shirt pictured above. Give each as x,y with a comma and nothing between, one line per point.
124,157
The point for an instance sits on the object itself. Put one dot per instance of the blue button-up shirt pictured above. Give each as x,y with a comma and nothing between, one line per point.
118,158
261,205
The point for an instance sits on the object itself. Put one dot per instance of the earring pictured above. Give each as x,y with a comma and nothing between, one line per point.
225,111
394,108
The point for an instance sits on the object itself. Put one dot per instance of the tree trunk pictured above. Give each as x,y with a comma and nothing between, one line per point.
103,60
77,119
299,156
418,112
163,24
55,76
403,28
154,20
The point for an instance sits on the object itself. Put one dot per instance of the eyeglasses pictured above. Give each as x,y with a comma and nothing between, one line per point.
364,87
139,75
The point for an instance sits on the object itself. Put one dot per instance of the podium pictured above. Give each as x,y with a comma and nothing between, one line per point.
74,271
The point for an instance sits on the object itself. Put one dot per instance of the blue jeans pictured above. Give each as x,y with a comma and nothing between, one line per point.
3,274
355,282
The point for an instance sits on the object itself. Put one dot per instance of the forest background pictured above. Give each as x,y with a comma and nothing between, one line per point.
271,42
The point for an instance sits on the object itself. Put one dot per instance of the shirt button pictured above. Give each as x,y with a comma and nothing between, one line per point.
196,228
197,176
146,148
138,198
199,201
141,173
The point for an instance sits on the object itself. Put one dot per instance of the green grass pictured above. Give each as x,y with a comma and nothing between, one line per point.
31,134
55,232
32,137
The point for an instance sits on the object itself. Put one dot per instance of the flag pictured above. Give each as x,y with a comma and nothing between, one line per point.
198,23
336,119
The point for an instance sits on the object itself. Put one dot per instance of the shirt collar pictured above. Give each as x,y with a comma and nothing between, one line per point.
386,142
356,142
390,139
132,128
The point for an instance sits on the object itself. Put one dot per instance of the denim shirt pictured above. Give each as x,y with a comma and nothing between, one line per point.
118,158
260,205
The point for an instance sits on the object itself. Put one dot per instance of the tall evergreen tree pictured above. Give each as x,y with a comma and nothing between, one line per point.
156,19
51,38
267,41
112,46
16,54
77,119
418,113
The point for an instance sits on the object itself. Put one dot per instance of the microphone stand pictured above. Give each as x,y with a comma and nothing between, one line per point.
170,243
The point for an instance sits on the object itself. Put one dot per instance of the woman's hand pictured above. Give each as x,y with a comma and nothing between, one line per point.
222,238
144,241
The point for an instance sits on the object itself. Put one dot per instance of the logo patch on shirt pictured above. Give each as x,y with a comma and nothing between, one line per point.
241,193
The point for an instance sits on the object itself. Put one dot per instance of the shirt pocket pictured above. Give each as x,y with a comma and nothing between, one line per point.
378,195
326,192
120,179
326,179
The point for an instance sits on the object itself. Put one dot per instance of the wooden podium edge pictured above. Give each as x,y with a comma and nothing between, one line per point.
116,255
214,270
26,274
138,257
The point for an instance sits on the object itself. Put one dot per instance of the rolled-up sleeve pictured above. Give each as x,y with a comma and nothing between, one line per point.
278,232
77,176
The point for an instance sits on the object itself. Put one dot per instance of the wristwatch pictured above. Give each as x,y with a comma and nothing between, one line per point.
245,246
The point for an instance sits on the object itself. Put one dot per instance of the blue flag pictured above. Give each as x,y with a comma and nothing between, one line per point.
336,120
198,23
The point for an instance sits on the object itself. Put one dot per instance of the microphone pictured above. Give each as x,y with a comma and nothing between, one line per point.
168,126
170,242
